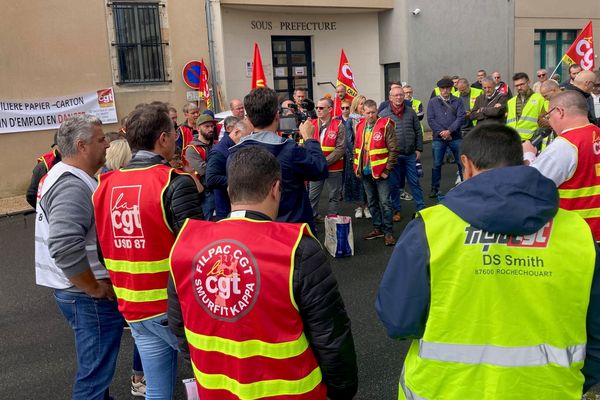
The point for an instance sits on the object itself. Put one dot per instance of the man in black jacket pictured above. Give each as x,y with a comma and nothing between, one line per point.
409,137
254,178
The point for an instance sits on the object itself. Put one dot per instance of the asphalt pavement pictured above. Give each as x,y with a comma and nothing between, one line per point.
37,348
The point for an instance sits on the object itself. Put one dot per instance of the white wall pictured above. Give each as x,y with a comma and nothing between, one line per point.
357,33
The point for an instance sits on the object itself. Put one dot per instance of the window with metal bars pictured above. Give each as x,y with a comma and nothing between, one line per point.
139,45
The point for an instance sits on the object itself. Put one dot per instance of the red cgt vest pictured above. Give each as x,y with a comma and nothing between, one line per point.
135,238
328,143
48,159
378,151
187,135
581,193
242,324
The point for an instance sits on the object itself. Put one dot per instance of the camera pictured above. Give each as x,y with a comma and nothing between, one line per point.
293,116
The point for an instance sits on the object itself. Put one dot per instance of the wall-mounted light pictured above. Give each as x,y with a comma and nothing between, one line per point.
416,11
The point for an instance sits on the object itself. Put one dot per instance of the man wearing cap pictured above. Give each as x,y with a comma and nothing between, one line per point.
445,115
196,153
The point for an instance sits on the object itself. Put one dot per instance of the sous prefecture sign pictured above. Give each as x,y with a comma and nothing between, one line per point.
49,113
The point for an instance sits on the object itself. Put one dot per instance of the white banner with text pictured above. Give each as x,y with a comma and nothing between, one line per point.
44,114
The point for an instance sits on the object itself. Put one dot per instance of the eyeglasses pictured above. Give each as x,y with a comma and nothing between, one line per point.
345,108
321,108
540,75
547,116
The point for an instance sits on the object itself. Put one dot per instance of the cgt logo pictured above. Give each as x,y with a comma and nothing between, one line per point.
226,280
585,49
105,97
125,212
538,239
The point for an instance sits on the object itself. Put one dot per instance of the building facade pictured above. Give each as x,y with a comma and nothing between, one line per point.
139,49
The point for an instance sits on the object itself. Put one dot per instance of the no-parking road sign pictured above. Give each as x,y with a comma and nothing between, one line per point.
192,71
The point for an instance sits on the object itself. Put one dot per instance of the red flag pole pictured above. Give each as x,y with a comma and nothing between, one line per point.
345,78
258,73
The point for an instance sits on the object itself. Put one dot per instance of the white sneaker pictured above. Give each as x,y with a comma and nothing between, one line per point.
458,180
405,196
367,213
358,213
138,389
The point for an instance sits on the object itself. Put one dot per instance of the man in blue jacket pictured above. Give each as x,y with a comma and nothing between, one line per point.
445,115
299,164
216,167
481,281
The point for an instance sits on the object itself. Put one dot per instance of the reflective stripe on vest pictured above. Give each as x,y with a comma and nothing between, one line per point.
404,392
329,141
258,390
526,356
135,237
378,151
248,348
242,323
140,296
139,267
581,192
485,328
528,123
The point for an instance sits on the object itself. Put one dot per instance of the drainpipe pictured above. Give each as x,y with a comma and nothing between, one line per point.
211,55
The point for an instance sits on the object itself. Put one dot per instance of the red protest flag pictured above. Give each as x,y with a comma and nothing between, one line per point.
582,50
345,78
204,90
258,73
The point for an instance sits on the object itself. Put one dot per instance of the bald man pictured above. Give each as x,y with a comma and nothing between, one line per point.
571,160
237,108
584,83
548,89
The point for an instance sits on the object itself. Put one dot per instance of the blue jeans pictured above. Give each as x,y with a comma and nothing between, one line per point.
354,192
334,184
406,167
137,368
439,150
158,349
98,326
378,199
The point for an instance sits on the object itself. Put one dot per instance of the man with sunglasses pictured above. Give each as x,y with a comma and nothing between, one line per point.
139,210
331,134
542,75
571,160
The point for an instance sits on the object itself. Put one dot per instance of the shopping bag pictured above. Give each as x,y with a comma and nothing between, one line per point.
339,240
191,390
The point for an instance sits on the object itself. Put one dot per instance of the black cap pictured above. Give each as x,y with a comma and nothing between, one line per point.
445,83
